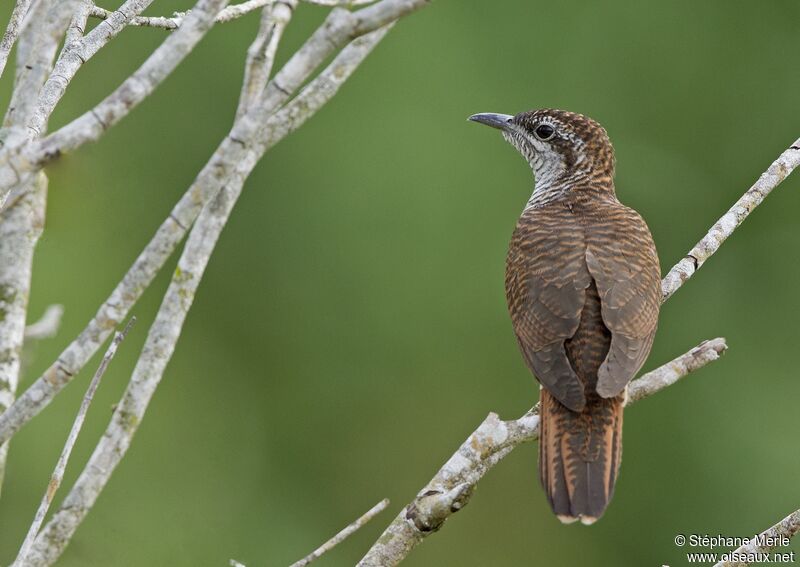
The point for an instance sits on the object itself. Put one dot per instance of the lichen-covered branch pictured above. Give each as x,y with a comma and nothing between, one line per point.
61,465
754,551
261,54
319,91
724,227
251,135
452,486
77,52
91,125
12,31
226,15
20,228
668,374
174,22
22,222
338,29
343,3
35,54
165,331
77,26
342,535
124,296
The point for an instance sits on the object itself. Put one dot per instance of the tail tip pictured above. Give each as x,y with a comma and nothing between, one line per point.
585,520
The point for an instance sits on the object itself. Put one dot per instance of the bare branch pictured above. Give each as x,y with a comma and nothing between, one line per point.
724,227
76,53
108,316
340,3
320,90
91,125
250,136
767,540
77,26
451,488
334,33
228,14
35,54
239,10
20,228
165,331
261,54
61,465
12,31
343,535
22,221
47,326
668,374
338,28
172,23
139,21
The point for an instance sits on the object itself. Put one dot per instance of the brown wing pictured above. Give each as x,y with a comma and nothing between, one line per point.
622,259
546,281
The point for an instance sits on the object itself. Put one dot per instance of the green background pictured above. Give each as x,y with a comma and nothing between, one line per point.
351,329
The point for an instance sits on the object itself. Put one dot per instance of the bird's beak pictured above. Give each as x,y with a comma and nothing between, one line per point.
499,121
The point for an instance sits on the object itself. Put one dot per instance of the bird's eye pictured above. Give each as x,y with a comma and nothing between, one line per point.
544,132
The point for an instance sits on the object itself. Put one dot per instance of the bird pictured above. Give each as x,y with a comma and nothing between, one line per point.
583,288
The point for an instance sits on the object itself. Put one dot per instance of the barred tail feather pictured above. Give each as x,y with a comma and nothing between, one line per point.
579,456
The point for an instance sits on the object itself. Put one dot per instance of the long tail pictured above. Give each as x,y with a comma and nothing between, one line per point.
579,455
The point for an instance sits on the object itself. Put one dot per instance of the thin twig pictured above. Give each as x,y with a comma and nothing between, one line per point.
228,14
47,326
343,535
61,465
341,3
172,23
452,486
754,551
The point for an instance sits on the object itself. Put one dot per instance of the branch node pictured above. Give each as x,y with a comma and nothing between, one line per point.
431,508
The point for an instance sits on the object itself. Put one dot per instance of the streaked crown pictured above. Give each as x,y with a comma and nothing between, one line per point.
583,143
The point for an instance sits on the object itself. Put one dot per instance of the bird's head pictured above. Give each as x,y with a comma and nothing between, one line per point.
561,147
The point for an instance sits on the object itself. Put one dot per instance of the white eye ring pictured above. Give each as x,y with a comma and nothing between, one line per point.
544,131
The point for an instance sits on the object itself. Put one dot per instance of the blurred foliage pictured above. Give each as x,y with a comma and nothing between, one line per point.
351,329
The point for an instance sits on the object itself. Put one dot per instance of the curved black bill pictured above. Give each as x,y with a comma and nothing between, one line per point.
499,121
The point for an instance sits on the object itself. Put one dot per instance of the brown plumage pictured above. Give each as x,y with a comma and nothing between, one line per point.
583,291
